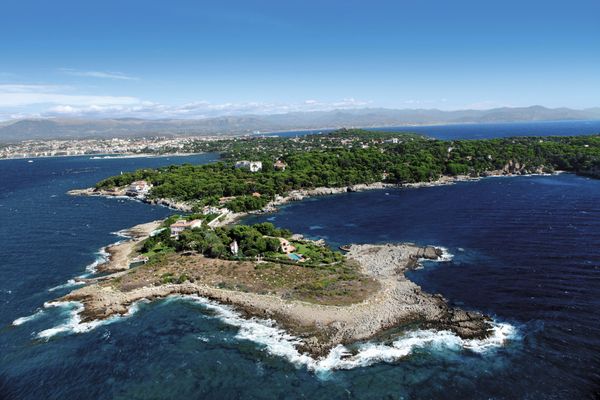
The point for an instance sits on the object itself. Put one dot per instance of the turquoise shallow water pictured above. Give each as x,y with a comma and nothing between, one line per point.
526,250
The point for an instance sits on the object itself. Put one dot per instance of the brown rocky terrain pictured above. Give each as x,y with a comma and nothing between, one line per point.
348,309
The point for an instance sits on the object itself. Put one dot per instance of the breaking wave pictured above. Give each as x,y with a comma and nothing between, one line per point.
446,255
101,257
280,343
74,324
70,283
22,320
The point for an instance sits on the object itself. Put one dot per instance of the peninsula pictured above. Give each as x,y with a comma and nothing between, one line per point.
324,297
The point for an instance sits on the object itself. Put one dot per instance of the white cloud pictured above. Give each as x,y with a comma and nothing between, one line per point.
20,95
199,109
29,88
99,74
58,100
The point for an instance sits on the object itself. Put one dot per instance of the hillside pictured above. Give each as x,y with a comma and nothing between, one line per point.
245,124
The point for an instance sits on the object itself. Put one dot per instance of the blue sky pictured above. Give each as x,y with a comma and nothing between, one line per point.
189,59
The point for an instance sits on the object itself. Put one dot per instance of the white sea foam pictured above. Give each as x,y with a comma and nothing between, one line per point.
445,257
22,320
124,233
101,257
74,324
70,283
280,343
370,353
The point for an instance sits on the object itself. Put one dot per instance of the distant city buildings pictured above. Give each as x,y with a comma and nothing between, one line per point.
100,148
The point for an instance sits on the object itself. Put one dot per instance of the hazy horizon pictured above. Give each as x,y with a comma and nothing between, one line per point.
283,113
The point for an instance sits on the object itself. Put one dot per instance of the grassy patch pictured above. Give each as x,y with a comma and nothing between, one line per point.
341,283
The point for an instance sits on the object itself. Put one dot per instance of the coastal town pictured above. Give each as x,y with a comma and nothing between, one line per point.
106,147
228,146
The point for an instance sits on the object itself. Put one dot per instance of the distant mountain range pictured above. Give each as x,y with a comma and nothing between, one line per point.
25,129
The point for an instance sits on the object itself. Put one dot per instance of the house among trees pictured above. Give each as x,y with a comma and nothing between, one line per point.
279,165
137,261
225,199
138,188
286,246
211,210
253,166
181,225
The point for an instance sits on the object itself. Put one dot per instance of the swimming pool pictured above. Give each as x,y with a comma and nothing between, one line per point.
294,257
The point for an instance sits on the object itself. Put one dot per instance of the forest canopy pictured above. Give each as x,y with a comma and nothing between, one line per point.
346,157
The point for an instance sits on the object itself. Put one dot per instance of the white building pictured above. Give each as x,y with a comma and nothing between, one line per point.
181,225
253,166
138,188
211,210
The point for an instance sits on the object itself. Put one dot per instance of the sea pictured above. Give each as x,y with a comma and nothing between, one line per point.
480,131
525,250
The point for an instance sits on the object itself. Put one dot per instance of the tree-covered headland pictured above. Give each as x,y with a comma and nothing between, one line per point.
349,157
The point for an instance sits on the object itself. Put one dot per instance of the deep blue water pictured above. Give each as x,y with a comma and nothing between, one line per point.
484,131
527,251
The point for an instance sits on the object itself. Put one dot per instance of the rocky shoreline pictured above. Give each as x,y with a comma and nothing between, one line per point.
120,254
301,194
398,302
120,192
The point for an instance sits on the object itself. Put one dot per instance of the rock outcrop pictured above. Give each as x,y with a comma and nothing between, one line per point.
398,302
